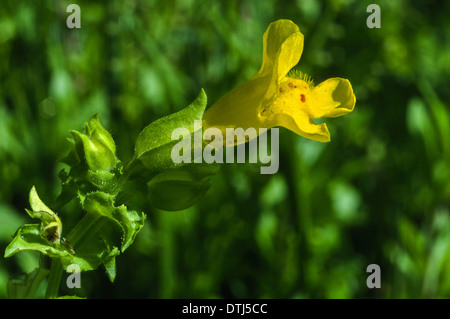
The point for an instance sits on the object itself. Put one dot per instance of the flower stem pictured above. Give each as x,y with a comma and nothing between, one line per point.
39,275
54,279
89,224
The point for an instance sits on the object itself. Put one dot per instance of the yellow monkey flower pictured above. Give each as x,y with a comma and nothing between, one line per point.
275,97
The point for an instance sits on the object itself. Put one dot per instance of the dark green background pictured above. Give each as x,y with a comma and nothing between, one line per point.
377,193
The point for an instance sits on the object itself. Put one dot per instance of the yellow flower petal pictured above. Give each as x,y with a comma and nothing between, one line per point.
303,126
239,107
331,98
282,49
271,98
291,108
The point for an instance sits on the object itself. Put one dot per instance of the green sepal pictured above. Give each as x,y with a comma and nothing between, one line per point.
131,223
110,266
103,180
94,252
154,144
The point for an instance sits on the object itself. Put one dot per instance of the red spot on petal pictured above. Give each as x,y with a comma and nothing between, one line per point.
291,85
302,98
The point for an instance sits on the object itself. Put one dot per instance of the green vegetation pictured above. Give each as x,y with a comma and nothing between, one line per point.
379,192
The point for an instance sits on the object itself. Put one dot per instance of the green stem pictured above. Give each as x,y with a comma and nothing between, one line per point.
54,279
39,276
89,224
168,272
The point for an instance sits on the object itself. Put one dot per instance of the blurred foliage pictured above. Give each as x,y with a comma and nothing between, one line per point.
379,192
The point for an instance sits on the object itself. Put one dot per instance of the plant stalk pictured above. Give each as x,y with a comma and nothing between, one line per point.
89,224
54,279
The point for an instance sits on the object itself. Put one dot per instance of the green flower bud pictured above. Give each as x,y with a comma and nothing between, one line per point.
98,133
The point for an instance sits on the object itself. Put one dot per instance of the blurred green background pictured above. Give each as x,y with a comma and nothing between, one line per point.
378,193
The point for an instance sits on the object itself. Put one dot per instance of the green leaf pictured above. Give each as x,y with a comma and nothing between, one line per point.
154,144
37,204
28,237
88,257
180,188
51,226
